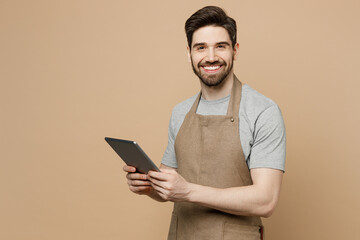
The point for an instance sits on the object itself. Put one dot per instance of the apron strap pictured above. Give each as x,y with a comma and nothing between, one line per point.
196,104
262,233
234,104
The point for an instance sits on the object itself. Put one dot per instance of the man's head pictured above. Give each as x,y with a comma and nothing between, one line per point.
210,16
212,44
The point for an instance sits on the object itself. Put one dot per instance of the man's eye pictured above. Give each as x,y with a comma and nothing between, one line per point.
201,47
221,46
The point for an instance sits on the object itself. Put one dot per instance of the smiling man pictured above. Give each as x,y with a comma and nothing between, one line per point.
225,158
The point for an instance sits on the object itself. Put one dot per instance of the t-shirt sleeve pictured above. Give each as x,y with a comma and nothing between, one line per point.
269,146
169,157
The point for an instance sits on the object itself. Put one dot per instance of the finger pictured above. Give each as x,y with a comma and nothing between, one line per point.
136,176
139,189
127,168
162,193
158,175
156,182
158,189
166,170
139,183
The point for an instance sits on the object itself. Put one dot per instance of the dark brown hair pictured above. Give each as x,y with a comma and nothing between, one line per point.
207,16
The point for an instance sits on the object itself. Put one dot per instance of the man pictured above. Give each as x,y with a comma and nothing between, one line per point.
225,158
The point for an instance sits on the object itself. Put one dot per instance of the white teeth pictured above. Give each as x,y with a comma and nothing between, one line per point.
212,67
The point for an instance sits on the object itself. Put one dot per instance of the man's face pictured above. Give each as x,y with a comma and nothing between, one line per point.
212,55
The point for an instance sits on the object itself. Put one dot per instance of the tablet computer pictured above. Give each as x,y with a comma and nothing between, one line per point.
132,154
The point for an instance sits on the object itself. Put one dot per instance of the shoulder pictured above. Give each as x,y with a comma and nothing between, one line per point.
255,104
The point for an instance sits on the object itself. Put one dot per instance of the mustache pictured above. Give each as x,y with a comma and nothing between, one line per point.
211,63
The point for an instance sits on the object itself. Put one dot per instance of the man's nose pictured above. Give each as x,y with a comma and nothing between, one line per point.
211,55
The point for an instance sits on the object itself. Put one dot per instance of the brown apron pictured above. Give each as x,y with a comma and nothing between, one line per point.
209,153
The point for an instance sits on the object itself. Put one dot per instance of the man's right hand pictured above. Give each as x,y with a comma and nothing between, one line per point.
138,182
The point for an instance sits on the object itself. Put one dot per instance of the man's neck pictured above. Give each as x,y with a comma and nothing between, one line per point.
220,91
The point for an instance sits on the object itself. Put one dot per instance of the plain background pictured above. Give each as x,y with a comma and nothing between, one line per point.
73,72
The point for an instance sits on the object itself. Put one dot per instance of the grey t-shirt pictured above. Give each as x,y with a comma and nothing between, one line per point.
262,130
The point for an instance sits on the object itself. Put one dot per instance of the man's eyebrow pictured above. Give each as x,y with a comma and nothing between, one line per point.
219,43
199,44
223,43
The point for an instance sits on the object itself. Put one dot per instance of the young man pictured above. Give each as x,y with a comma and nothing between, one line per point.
225,158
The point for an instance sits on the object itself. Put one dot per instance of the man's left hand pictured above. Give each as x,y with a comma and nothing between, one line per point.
170,185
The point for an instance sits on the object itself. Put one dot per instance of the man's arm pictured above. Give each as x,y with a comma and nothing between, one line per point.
258,199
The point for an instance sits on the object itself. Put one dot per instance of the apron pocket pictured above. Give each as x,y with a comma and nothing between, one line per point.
241,232
173,227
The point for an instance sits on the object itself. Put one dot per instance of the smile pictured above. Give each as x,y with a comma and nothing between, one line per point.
211,69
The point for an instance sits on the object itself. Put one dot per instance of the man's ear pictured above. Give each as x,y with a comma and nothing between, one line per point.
236,50
188,54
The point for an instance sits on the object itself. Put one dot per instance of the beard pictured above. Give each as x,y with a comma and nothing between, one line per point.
213,80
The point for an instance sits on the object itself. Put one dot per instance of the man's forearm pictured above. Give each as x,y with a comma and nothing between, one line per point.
248,200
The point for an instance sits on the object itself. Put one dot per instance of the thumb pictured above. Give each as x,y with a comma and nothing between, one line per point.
166,170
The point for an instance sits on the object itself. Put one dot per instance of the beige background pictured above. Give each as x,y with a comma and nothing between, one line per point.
73,72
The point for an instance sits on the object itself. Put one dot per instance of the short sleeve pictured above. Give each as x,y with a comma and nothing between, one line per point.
169,157
269,146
